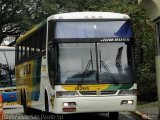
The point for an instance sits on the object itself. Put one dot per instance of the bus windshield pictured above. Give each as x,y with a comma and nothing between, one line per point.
92,63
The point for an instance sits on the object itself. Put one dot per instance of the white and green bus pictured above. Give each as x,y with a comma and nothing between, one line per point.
80,62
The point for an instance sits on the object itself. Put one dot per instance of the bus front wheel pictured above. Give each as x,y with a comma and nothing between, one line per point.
113,115
46,102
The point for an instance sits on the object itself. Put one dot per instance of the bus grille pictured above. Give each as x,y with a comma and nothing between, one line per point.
95,92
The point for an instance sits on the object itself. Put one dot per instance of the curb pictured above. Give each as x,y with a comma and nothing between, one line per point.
139,114
145,116
12,106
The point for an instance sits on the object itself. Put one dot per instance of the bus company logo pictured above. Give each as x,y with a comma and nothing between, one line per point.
79,87
115,39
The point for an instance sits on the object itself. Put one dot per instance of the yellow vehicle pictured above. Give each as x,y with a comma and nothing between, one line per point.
78,62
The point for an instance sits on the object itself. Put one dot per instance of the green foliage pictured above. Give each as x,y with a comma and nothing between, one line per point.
10,17
145,49
17,16
147,87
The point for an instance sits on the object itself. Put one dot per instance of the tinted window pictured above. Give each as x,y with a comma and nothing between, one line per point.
93,29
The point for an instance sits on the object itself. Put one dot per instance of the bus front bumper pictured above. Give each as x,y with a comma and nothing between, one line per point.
95,104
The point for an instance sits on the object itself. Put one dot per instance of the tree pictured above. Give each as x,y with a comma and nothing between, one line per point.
10,13
17,16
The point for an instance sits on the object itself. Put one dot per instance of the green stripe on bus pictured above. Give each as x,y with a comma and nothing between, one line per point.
119,86
36,79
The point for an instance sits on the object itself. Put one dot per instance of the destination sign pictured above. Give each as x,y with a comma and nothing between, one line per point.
115,39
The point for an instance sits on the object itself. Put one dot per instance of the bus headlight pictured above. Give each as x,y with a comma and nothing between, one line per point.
66,93
69,104
127,102
128,92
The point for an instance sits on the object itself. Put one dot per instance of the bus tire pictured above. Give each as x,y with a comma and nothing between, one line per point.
24,102
21,97
46,102
113,115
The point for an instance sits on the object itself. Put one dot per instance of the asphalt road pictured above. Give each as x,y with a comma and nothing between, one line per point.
16,113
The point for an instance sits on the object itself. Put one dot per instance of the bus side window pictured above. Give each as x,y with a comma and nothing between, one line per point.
32,45
35,42
27,48
29,42
43,39
158,37
24,50
51,64
38,42
51,30
19,52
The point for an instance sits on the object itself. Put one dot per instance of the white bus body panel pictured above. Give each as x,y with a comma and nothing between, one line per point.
44,85
89,15
96,104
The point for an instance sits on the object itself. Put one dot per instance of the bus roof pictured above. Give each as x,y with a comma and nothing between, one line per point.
28,33
89,15
7,48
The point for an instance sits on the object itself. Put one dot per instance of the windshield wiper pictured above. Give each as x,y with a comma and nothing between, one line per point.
86,71
106,68
90,62
118,60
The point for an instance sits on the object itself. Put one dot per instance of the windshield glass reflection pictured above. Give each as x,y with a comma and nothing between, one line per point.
78,63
